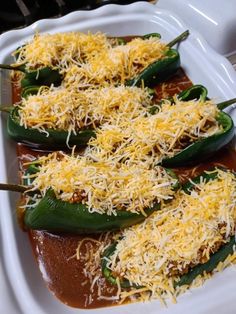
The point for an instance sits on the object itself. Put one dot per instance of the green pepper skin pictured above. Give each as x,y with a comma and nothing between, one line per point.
30,90
55,215
199,269
219,256
151,35
44,76
48,76
202,149
55,139
107,273
158,71
32,169
198,92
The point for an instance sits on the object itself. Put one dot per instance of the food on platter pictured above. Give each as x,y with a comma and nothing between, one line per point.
57,117
77,205
189,238
74,194
183,129
79,60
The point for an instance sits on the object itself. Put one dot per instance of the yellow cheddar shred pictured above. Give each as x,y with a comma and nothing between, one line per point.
103,187
148,139
185,233
62,109
116,65
90,59
61,49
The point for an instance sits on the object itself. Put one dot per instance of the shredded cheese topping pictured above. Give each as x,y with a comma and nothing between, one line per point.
168,243
62,109
61,49
90,59
149,139
117,64
103,187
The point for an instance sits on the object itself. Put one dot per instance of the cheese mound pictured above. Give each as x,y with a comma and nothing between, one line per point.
168,243
117,64
90,59
61,49
151,138
102,186
62,109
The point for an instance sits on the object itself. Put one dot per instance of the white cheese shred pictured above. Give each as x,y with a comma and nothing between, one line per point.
185,233
104,187
63,109
148,139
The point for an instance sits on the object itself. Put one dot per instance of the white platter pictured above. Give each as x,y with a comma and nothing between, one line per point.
201,63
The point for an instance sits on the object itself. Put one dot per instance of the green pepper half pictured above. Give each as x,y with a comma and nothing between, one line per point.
203,148
186,279
43,76
55,215
217,257
162,69
53,139
153,74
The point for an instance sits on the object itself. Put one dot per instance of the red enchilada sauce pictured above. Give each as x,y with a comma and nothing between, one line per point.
65,275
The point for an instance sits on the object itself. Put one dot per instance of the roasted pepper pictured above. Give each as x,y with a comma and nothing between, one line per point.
203,148
197,92
50,139
197,151
54,138
55,215
224,251
219,256
43,76
162,68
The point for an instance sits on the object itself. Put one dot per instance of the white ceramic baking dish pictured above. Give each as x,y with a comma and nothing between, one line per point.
201,63
214,19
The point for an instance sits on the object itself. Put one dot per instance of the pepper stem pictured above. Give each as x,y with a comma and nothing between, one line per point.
11,67
226,104
13,187
178,39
